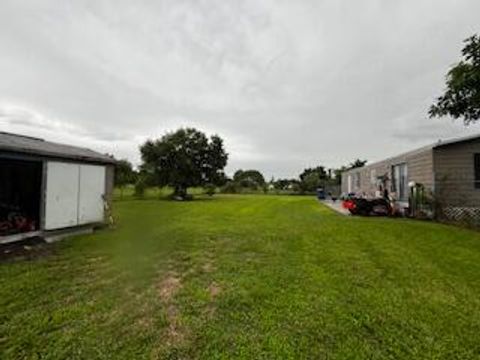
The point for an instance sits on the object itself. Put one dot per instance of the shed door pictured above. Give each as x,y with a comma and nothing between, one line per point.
91,192
61,196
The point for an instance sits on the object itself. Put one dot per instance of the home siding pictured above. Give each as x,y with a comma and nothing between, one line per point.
455,174
420,170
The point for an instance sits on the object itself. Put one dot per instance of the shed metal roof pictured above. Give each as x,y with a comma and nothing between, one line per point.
22,144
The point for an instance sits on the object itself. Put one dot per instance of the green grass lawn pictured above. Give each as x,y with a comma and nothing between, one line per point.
249,277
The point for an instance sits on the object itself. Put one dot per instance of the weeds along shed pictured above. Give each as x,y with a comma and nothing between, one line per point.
49,189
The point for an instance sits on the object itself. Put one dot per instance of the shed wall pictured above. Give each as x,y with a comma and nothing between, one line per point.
91,192
61,195
74,194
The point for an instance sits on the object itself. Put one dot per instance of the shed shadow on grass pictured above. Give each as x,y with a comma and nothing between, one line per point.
28,249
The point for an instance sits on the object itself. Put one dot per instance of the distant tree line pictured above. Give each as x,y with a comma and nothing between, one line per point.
307,182
245,181
187,158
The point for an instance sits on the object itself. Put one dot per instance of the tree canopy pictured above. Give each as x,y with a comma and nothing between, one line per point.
462,95
285,184
249,179
356,164
124,173
312,178
319,171
184,158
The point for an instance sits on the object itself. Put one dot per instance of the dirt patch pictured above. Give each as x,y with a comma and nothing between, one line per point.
144,304
176,333
188,273
96,259
208,267
214,289
25,250
144,323
169,286
209,311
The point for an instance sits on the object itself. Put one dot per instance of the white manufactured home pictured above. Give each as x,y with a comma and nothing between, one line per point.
49,189
448,170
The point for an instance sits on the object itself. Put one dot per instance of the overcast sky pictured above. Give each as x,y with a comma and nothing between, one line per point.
288,84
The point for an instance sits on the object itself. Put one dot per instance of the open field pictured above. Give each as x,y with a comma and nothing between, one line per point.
246,277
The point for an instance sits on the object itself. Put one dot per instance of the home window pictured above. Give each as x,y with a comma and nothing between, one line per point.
400,181
477,171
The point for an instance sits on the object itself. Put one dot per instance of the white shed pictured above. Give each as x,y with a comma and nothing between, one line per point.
49,189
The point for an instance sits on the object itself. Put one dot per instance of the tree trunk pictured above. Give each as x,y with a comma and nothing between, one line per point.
180,192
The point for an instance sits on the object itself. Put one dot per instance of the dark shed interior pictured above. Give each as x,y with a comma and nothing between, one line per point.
20,194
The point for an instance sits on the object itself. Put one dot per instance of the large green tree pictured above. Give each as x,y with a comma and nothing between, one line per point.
184,158
249,179
462,96
312,178
319,171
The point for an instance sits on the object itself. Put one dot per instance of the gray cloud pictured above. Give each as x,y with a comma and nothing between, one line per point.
287,84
